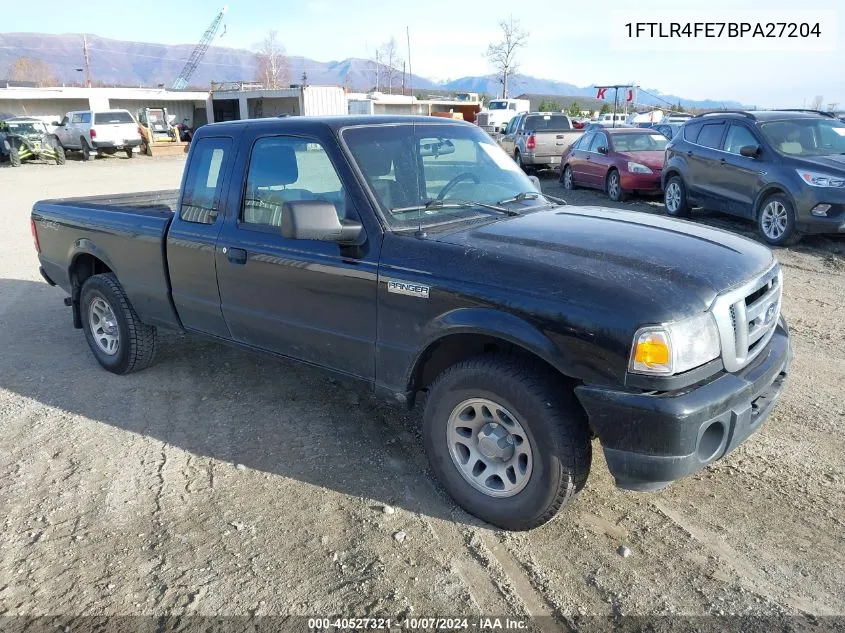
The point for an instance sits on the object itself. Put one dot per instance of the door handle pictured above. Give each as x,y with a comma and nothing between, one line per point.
723,161
235,255
689,153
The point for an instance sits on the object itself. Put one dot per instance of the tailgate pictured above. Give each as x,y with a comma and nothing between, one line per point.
554,143
117,133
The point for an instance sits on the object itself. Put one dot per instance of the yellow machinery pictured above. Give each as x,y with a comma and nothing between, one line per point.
158,136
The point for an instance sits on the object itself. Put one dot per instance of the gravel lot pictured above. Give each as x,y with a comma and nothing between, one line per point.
222,483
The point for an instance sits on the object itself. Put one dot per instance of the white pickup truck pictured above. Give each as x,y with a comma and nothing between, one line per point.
499,112
95,132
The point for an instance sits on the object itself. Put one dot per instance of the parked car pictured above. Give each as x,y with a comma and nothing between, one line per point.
592,127
676,117
784,170
667,129
537,140
27,138
410,254
619,161
94,132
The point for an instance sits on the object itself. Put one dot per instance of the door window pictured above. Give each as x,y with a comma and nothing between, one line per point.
738,137
583,143
201,198
711,135
287,169
600,140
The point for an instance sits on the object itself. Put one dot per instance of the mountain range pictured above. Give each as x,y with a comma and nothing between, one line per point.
118,62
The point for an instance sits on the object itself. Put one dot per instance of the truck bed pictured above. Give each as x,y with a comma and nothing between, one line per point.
127,232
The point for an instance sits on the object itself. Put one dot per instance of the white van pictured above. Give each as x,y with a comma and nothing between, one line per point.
608,119
95,132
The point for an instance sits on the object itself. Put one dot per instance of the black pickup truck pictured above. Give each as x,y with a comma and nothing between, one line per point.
413,255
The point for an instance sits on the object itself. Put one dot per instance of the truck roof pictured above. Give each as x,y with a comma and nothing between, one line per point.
332,122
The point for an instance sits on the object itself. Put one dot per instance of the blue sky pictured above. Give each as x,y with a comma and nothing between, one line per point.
569,41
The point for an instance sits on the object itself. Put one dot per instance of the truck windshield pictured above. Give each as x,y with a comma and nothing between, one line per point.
118,116
547,123
28,127
498,105
806,137
416,170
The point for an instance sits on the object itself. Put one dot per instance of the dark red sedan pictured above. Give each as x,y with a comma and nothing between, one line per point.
619,161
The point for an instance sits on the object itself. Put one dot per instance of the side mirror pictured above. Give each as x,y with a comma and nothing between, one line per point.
536,182
317,220
751,151
56,123
602,150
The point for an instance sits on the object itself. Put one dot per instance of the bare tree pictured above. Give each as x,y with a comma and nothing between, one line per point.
388,65
502,55
272,65
816,103
34,70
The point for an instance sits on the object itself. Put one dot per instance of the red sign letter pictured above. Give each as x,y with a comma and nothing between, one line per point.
629,95
600,93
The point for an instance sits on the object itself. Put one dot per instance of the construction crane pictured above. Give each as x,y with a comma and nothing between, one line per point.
199,52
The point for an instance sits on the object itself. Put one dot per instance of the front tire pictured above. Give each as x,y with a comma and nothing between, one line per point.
120,342
613,186
15,157
506,440
567,178
675,198
776,221
60,155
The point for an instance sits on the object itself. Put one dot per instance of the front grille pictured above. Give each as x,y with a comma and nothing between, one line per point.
482,118
747,317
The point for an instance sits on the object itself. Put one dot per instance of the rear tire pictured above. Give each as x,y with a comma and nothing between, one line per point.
120,342
130,153
613,186
545,421
61,159
675,198
776,221
86,151
15,157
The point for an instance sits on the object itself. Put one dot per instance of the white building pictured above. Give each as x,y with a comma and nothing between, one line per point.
228,102
55,102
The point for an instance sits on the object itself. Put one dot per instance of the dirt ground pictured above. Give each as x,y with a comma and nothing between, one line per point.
222,483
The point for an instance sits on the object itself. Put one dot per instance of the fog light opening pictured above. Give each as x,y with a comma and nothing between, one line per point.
711,441
820,210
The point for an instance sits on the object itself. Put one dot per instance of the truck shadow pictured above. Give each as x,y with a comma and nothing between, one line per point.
222,403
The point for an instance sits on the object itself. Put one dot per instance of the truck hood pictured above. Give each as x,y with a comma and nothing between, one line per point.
658,268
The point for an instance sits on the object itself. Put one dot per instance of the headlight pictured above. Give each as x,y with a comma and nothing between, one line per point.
677,347
818,179
638,168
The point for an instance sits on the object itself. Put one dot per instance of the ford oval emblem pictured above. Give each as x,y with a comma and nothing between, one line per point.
770,312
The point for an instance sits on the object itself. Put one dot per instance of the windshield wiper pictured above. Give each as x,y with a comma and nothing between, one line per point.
531,195
455,204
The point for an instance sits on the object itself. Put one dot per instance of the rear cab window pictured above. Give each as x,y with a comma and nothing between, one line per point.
547,123
113,117
204,180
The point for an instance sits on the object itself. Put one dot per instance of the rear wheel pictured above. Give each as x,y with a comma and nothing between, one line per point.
506,441
776,221
121,343
130,153
15,157
675,198
566,179
86,151
518,159
613,186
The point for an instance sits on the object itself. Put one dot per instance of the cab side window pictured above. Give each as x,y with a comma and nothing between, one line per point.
287,169
201,198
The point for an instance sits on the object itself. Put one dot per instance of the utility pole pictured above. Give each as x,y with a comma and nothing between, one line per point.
378,71
403,79
87,61
410,74
304,79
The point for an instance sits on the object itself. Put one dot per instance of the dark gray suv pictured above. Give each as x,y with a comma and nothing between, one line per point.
784,169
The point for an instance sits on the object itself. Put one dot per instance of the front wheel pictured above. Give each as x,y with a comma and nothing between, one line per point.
776,221
675,198
613,186
121,343
15,157
60,154
506,441
567,180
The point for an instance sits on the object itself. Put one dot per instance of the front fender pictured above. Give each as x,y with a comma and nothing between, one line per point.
488,322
